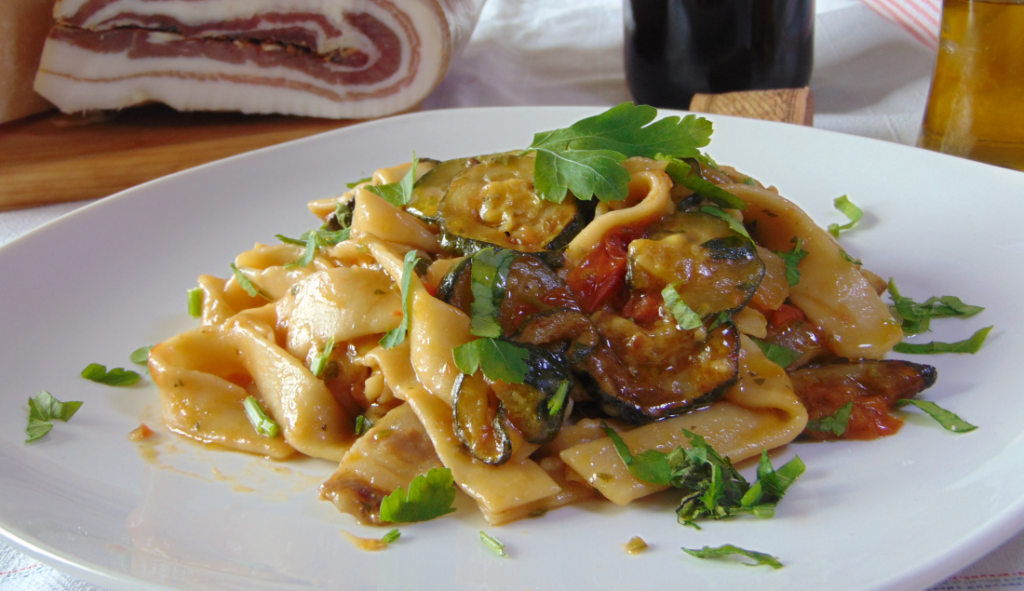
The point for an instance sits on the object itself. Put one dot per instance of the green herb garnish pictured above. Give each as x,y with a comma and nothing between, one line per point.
490,271
43,409
499,359
430,495
586,158
970,345
835,423
363,425
195,302
398,194
685,317
353,184
391,536
321,358
313,240
851,211
117,376
141,355
715,488
558,400
948,420
680,173
395,336
262,422
759,558
247,284
917,317
777,354
792,259
493,544
734,224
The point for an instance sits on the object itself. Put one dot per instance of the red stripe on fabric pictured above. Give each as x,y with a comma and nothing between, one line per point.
20,570
912,26
911,17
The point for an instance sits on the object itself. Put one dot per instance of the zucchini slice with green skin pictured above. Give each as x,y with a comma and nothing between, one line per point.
567,333
528,406
644,374
431,187
494,203
714,268
478,420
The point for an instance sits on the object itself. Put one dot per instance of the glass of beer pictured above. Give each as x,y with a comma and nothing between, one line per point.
677,48
976,104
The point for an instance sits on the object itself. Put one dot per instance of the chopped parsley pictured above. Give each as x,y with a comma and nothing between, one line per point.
43,409
395,336
247,284
391,536
792,260
916,317
117,376
141,355
970,345
680,173
835,423
716,490
557,401
734,224
777,354
685,317
430,495
948,420
321,358
852,213
586,158
489,273
398,194
727,550
353,184
363,425
263,424
313,240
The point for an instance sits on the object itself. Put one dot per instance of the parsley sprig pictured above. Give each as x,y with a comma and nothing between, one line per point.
586,158
716,489
851,211
792,260
400,193
430,495
916,317
43,409
395,336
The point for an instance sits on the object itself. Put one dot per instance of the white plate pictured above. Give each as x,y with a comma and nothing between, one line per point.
898,513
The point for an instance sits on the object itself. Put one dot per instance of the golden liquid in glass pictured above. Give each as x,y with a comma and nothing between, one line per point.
976,105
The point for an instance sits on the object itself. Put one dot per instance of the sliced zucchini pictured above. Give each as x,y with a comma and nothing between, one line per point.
567,333
528,406
456,287
640,375
494,203
431,187
478,420
714,268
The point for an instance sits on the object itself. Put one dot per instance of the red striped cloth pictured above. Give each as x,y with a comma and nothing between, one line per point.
920,18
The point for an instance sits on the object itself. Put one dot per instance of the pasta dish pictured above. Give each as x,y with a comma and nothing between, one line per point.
488,316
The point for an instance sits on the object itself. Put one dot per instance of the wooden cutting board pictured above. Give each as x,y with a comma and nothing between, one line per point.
52,158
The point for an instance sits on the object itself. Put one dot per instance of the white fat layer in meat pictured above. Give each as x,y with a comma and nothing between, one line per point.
200,12
76,79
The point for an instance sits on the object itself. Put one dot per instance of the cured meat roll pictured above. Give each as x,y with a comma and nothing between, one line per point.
320,58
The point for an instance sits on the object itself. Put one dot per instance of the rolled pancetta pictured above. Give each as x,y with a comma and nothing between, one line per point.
320,58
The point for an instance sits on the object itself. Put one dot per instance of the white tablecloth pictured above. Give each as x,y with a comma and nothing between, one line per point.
870,79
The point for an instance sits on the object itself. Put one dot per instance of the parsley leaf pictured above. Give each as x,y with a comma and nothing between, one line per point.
680,173
247,284
851,211
391,536
313,240
490,270
777,354
395,336
499,359
400,193
586,158
117,376
685,317
759,558
262,422
558,400
353,184
970,345
493,544
917,317
430,495
734,224
835,423
716,489
949,421
43,408
363,425
141,355
195,302
792,259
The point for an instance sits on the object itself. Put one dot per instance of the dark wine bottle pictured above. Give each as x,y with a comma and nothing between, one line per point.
677,48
